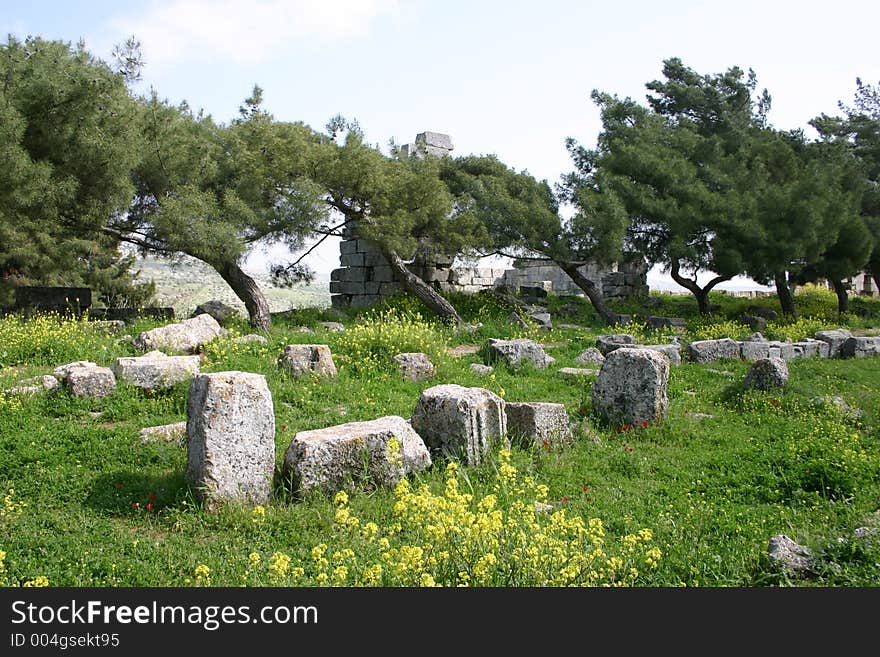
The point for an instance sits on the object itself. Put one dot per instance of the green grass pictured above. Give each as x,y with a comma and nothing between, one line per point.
711,490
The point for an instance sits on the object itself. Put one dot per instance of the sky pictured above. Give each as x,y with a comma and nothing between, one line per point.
509,78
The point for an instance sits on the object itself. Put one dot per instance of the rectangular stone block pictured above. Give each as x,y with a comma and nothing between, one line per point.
809,348
461,422
752,351
364,300
352,260
53,297
347,246
387,289
230,447
538,423
383,274
328,459
372,287
340,301
352,287
375,260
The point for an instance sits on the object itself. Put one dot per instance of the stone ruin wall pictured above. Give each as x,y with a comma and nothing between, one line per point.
365,277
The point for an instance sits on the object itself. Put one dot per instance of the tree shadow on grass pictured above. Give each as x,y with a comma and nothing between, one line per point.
117,493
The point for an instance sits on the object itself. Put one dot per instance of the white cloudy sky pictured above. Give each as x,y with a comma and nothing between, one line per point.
511,78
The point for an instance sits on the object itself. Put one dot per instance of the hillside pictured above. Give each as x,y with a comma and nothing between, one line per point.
186,282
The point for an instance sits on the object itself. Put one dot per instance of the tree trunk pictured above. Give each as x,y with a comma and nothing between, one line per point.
842,297
701,294
783,293
249,292
424,292
594,294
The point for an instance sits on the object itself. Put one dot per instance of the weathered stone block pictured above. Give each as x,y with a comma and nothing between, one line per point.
460,422
577,372
230,446
766,374
482,370
608,343
216,309
789,556
377,452
752,350
543,320
387,289
155,370
631,387
706,351
383,274
671,351
175,432
860,347
333,327
352,260
353,287
537,422
415,366
515,352
76,299
93,382
311,359
186,336
375,260
590,356
834,339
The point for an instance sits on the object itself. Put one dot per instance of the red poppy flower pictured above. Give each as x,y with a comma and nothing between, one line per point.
134,505
565,498
644,423
627,427
586,488
283,427
152,498
685,410
149,506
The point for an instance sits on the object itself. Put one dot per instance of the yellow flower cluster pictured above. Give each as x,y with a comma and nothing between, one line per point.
452,538
40,581
11,509
203,575
369,347
49,338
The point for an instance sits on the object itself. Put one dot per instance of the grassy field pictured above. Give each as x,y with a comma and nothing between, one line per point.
691,501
